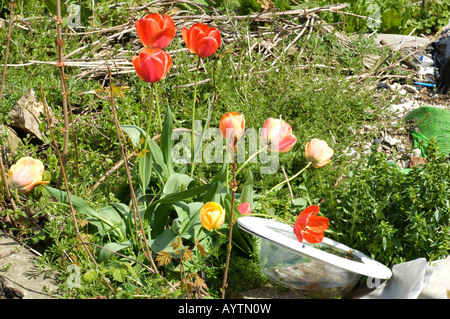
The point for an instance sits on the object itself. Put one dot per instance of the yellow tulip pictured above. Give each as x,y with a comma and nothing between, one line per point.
212,215
26,174
318,152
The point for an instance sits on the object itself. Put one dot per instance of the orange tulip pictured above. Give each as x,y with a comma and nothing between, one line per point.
152,65
318,152
201,39
277,134
232,126
155,31
245,209
26,174
310,227
212,215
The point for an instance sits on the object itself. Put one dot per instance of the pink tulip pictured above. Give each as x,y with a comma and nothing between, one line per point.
245,209
318,152
277,134
26,174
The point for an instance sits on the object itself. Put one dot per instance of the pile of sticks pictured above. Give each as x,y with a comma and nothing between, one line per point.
267,29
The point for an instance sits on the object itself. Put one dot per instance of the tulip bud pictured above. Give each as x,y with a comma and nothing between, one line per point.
155,31
245,209
26,174
212,215
232,126
152,65
201,39
318,153
277,134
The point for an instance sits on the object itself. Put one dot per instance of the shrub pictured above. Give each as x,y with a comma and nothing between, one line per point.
394,215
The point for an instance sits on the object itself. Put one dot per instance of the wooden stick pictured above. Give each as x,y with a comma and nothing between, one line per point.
8,39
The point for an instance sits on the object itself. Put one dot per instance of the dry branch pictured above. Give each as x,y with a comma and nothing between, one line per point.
267,29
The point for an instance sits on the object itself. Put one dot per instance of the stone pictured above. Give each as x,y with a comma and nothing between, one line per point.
27,115
392,141
410,89
438,287
12,139
21,275
417,161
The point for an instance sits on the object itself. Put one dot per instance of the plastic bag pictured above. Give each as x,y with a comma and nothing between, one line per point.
440,51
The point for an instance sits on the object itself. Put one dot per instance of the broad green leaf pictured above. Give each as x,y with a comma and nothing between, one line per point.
158,160
145,170
78,203
247,190
113,246
163,241
111,220
166,141
176,183
161,218
173,198
105,219
135,133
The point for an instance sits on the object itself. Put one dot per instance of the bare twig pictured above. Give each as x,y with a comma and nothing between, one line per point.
5,182
148,252
112,170
289,185
8,39
66,184
64,92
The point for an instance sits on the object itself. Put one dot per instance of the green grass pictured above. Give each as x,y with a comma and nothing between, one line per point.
318,102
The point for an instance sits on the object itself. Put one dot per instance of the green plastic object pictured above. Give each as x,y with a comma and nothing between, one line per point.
431,122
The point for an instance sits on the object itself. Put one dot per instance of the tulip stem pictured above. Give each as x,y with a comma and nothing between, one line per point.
146,143
155,89
291,178
250,158
193,120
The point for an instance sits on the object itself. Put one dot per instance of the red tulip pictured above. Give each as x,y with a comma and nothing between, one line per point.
155,31
318,152
277,134
232,126
245,209
201,39
152,64
310,227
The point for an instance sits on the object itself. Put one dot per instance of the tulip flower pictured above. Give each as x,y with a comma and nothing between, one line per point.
318,152
212,215
310,227
201,39
232,126
155,31
26,174
277,134
152,65
245,209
